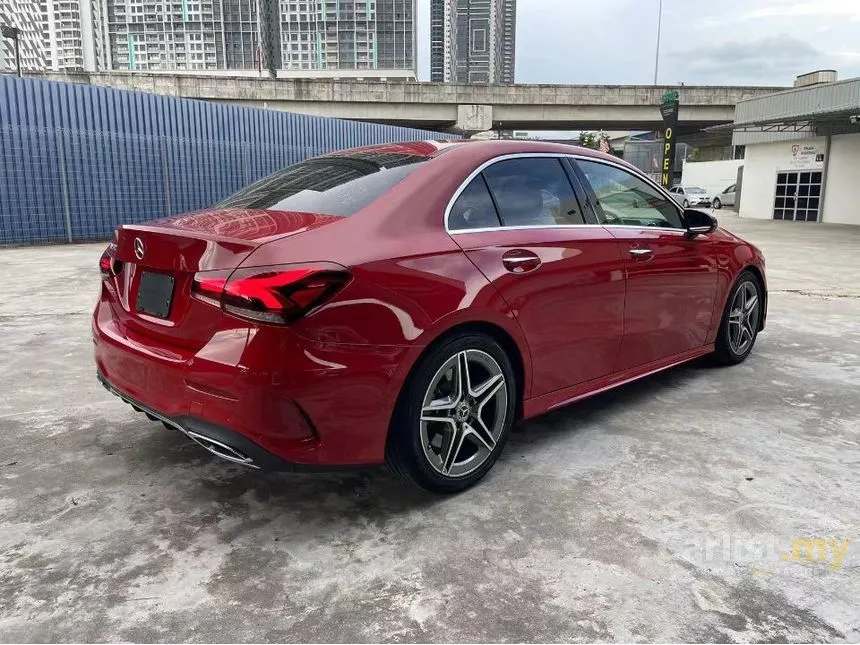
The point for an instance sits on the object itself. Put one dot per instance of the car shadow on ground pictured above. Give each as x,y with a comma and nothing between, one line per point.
595,409
374,491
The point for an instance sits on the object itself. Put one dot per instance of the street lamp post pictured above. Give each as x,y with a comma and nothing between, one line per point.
13,32
657,53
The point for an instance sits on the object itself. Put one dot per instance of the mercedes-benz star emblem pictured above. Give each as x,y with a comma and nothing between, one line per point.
138,248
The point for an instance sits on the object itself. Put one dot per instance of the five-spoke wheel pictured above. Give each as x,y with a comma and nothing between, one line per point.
741,320
464,413
455,414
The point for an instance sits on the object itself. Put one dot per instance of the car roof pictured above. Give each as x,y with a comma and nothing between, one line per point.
427,149
479,150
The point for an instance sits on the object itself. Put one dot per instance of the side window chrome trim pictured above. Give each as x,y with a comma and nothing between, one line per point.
662,229
552,155
528,227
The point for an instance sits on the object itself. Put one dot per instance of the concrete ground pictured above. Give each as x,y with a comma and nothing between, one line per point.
664,510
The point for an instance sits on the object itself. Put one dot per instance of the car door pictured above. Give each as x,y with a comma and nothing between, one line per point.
728,196
671,278
520,222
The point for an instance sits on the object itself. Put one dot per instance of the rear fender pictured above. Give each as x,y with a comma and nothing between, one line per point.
501,319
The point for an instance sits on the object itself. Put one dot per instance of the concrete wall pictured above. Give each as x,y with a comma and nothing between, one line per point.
841,204
713,176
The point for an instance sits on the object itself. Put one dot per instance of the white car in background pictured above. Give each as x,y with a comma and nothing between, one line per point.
690,196
725,198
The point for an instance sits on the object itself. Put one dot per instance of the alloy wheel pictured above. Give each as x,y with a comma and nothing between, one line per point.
743,318
463,413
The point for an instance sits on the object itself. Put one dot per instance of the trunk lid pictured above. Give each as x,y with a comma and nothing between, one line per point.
178,247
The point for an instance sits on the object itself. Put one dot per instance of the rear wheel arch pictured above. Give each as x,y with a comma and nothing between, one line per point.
492,330
403,447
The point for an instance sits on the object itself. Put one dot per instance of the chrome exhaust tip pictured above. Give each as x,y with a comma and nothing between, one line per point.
217,448
221,450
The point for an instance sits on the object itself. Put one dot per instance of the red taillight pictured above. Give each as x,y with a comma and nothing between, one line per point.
108,265
273,294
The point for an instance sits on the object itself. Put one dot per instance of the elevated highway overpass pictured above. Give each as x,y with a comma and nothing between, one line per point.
447,107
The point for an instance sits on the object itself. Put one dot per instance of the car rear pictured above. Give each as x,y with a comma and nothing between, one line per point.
193,330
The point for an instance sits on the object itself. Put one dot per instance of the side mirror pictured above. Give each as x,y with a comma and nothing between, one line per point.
699,222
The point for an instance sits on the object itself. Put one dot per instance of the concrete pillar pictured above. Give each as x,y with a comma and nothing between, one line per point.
472,119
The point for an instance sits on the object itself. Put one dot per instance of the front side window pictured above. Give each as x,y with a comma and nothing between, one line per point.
730,189
533,192
339,184
626,200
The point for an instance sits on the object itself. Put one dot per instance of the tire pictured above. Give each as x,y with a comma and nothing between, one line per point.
466,441
686,204
717,203
728,350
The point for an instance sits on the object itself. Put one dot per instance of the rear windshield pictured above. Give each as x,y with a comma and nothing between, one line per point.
340,184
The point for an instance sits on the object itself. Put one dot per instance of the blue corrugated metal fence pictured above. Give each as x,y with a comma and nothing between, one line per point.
76,160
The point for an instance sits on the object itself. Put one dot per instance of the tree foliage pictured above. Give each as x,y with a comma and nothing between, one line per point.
592,139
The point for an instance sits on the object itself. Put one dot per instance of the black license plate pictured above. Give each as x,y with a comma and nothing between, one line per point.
155,294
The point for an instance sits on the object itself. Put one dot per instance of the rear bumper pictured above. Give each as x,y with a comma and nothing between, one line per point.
272,396
220,441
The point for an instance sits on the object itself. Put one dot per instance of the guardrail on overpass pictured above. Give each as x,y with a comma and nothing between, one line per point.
438,106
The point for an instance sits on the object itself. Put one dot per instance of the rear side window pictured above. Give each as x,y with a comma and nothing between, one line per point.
533,192
474,208
337,185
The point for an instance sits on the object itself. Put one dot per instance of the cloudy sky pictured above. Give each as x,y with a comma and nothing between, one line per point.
718,42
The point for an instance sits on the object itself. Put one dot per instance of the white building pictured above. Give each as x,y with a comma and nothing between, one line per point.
56,35
802,159
27,16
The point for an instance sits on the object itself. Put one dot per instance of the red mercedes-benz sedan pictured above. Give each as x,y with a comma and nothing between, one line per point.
408,303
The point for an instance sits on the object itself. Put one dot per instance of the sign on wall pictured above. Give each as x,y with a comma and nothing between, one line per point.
804,156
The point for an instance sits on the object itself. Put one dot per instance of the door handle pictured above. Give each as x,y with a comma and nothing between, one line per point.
639,252
520,261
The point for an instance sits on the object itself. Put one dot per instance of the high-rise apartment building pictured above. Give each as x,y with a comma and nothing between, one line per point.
75,35
26,15
355,37
150,35
56,35
509,40
472,41
348,34
249,34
